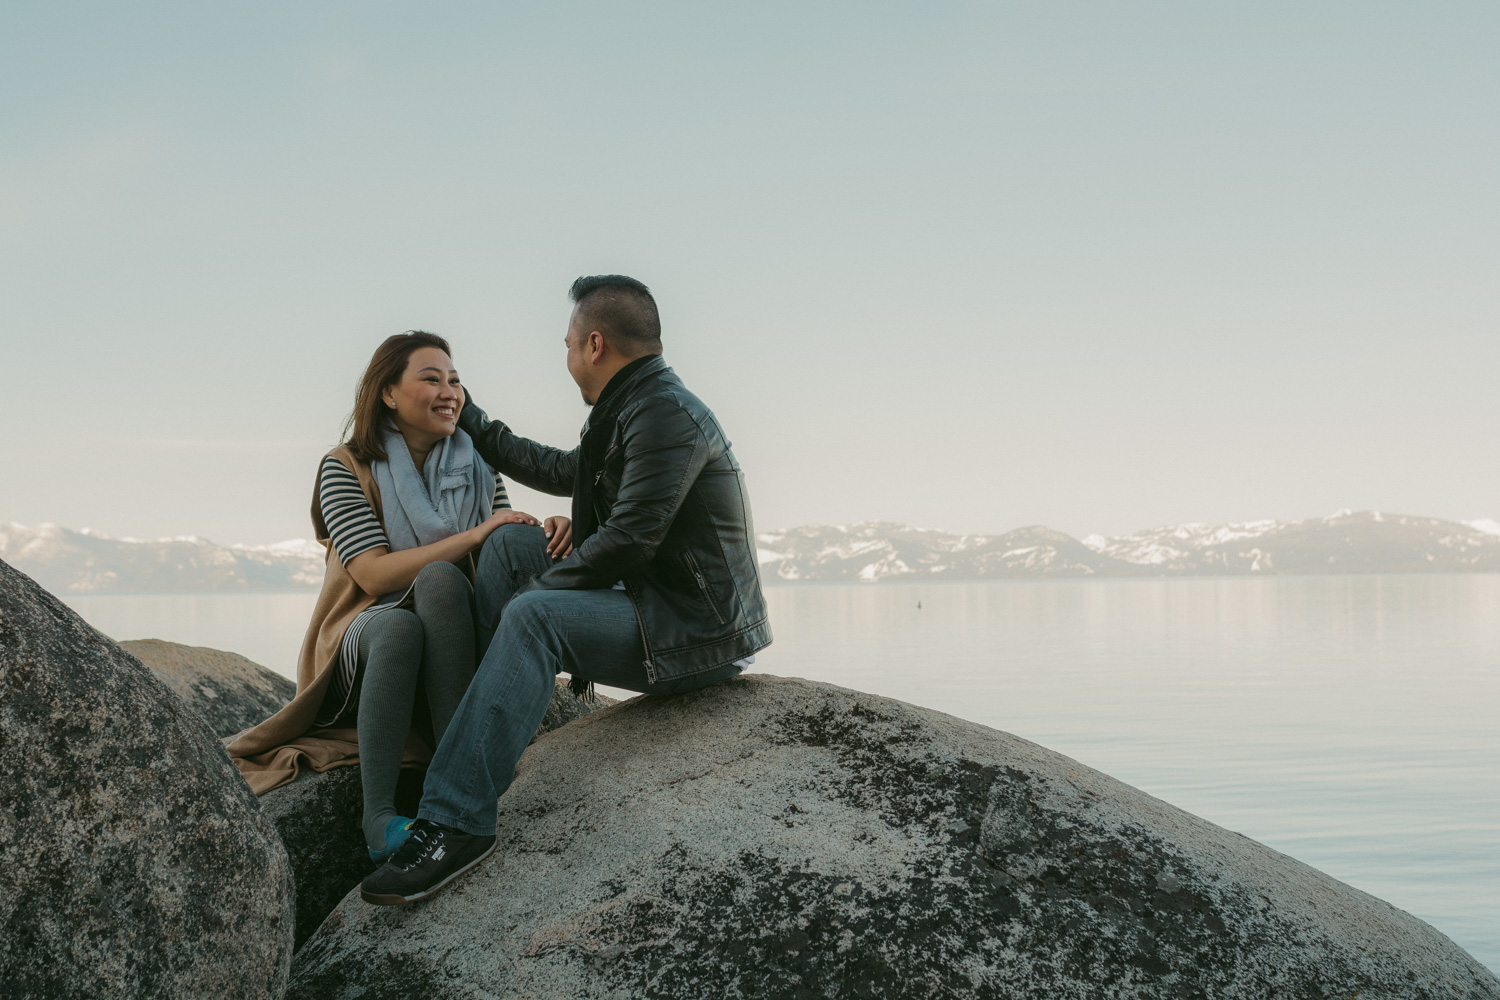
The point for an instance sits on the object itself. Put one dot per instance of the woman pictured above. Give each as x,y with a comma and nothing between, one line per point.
401,505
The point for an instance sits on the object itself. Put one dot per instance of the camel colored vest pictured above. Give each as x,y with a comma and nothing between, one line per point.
270,755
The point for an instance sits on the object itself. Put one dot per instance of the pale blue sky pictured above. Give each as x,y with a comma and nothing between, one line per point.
1099,266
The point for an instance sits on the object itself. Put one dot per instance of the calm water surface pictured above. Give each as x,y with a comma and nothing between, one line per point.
1347,721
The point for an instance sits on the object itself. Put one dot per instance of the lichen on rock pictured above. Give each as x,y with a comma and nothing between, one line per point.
779,838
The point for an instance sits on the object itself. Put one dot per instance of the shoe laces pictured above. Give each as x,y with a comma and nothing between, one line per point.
424,839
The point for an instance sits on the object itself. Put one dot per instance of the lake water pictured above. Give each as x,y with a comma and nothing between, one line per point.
1347,721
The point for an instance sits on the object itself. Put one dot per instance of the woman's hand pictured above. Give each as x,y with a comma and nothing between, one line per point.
381,571
502,517
559,531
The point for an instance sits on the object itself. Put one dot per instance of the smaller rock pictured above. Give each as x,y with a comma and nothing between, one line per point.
318,818
567,706
225,690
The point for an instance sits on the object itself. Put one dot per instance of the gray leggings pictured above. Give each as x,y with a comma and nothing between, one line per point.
433,643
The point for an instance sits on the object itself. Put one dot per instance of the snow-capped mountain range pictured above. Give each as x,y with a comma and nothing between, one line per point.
82,562
1346,542
66,561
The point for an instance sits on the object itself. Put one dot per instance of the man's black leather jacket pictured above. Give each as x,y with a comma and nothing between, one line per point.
673,520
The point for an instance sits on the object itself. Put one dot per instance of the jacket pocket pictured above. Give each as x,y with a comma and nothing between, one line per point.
692,565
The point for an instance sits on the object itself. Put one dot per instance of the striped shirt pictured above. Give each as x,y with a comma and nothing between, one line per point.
354,530
351,521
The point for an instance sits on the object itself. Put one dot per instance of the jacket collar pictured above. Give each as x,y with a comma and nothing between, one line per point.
624,375
617,390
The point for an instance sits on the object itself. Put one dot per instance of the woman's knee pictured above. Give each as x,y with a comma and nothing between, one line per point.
443,599
442,579
395,629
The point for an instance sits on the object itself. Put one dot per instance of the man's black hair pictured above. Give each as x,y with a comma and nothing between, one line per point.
621,308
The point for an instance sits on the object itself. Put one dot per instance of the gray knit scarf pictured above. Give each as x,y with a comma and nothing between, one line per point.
452,494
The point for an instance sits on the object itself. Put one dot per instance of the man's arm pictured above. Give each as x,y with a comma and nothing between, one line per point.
535,465
664,453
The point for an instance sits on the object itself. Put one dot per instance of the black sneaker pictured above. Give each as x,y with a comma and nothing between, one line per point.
432,856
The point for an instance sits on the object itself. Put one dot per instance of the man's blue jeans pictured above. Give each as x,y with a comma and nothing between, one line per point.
592,634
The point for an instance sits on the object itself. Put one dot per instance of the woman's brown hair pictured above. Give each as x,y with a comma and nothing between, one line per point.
386,367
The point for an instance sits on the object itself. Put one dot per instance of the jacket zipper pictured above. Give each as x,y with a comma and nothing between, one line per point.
599,477
650,670
703,586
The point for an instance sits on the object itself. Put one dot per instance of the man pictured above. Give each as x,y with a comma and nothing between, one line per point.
661,594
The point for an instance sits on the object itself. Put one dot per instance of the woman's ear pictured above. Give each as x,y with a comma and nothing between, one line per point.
387,398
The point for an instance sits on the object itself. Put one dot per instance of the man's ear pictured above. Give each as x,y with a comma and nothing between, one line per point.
596,346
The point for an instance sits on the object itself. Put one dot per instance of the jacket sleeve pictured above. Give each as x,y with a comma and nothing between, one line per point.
664,452
538,466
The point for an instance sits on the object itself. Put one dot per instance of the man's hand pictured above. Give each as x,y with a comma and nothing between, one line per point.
469,413
559,531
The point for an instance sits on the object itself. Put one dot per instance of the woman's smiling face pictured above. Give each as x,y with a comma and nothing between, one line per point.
427,399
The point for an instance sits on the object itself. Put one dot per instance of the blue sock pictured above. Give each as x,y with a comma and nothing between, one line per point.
397,829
